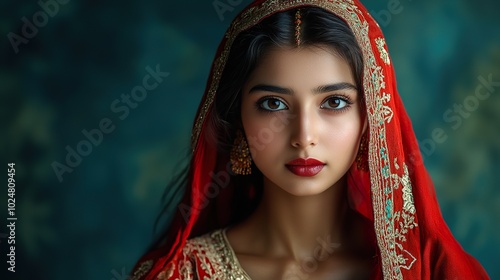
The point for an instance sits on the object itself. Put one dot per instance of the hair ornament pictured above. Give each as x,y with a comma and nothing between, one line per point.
298,22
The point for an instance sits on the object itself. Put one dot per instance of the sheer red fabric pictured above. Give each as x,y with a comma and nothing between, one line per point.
396,194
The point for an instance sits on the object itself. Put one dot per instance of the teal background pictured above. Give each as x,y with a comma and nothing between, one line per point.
97,222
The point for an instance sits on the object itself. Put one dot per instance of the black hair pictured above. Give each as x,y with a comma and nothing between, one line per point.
318,28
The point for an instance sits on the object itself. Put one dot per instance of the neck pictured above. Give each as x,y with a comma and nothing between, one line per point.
298,226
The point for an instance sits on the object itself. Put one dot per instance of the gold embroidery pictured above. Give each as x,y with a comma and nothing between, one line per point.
142,270
394,211
162,276
409,205
404,218
213,256
384,55
167,273
385,111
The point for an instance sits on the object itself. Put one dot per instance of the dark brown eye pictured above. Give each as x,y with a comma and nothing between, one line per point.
273,104
335,103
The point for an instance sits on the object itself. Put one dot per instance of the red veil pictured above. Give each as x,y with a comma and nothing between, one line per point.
396,194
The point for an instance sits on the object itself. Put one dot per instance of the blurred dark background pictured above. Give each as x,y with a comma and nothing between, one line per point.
69,75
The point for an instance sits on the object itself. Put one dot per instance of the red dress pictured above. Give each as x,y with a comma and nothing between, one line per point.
396,193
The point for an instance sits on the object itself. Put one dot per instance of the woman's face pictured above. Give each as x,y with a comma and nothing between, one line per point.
302,119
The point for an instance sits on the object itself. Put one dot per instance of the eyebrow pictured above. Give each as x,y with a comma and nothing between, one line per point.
318,90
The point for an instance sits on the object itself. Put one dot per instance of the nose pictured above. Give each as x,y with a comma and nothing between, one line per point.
304,131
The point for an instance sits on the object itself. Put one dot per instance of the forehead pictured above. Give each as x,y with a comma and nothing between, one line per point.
301,68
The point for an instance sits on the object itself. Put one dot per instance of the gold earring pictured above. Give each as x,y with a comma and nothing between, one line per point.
362,157
241,160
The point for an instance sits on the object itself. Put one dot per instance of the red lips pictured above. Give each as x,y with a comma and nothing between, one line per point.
305,167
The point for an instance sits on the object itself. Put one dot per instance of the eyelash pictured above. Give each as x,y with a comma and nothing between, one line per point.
259,103
342,97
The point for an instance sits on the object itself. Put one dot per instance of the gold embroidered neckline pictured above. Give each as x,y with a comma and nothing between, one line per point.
232,255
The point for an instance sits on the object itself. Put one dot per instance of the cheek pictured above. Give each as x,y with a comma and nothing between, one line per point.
262,138
343,137
342,132
266,133
251,125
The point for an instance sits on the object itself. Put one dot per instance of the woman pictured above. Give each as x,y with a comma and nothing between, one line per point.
304,163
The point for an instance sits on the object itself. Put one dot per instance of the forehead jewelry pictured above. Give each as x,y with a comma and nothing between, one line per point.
298,22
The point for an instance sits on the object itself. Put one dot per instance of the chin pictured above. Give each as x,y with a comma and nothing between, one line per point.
303,186
305,189
304,192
